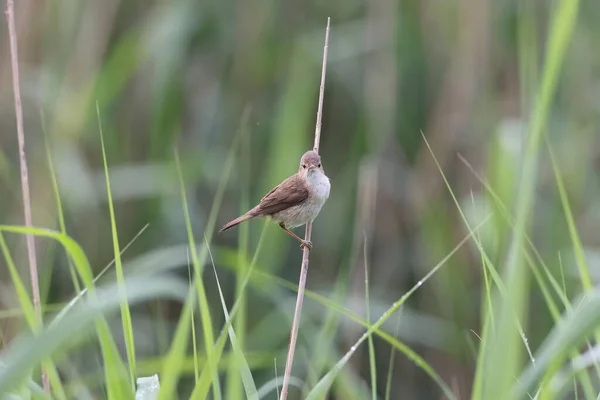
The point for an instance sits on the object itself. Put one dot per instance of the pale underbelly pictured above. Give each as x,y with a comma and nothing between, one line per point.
297,215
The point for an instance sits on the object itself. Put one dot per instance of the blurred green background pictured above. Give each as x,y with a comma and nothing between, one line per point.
233,86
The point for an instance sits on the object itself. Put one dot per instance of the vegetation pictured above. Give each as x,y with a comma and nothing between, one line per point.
455,258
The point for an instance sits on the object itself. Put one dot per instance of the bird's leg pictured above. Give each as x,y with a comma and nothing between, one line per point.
303,242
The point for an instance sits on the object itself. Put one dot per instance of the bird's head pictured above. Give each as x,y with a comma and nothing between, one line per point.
310,163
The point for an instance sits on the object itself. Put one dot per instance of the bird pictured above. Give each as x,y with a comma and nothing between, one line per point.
295,201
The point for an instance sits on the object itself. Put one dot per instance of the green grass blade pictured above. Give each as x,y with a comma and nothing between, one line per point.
372,364
201,389
205,317
234,389
27,351
171,374
502,288
505,214
202,386
388,384
242,364
323,385
263,280
21,291
80,295
504,357
193,326
558,289
49,367
57,199
582,265
31,317
125,312
30,388
567,334
276,377
198,262
326,334
171,367
113,365
487,317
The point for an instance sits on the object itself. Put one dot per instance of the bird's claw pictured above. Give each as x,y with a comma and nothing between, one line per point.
306,243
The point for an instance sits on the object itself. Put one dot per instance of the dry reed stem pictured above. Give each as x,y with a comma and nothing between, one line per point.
306,252
14,58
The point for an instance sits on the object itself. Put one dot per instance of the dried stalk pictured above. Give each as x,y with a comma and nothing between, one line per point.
305,254
14,58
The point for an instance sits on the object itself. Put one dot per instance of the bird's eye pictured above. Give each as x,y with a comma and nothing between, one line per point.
304,166
319,165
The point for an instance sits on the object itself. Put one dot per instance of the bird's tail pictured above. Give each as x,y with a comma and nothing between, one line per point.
236,221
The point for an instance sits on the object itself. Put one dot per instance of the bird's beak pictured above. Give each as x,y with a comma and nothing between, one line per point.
311,167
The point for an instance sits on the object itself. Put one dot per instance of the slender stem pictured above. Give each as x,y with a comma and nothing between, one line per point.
14,58
306,252
321,91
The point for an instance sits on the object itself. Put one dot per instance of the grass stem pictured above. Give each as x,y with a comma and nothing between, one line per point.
306,252
14,58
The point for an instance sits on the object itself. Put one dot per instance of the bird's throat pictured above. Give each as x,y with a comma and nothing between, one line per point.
318,184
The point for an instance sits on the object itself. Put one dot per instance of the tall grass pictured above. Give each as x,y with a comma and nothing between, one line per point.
483,288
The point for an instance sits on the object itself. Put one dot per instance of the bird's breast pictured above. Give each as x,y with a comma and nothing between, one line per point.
319,187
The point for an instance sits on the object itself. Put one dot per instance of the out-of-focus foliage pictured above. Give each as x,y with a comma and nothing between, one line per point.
233,86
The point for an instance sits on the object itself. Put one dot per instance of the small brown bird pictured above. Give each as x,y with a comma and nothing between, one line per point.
295,201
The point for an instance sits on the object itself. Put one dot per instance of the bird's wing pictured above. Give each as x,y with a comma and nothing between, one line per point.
288,193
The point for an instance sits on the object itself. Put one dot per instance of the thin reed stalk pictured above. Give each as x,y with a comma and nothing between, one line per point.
306,251
14,59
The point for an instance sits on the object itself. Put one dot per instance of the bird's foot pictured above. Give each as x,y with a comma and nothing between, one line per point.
306,243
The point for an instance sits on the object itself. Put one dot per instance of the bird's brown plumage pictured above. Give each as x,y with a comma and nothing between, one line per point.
292,192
